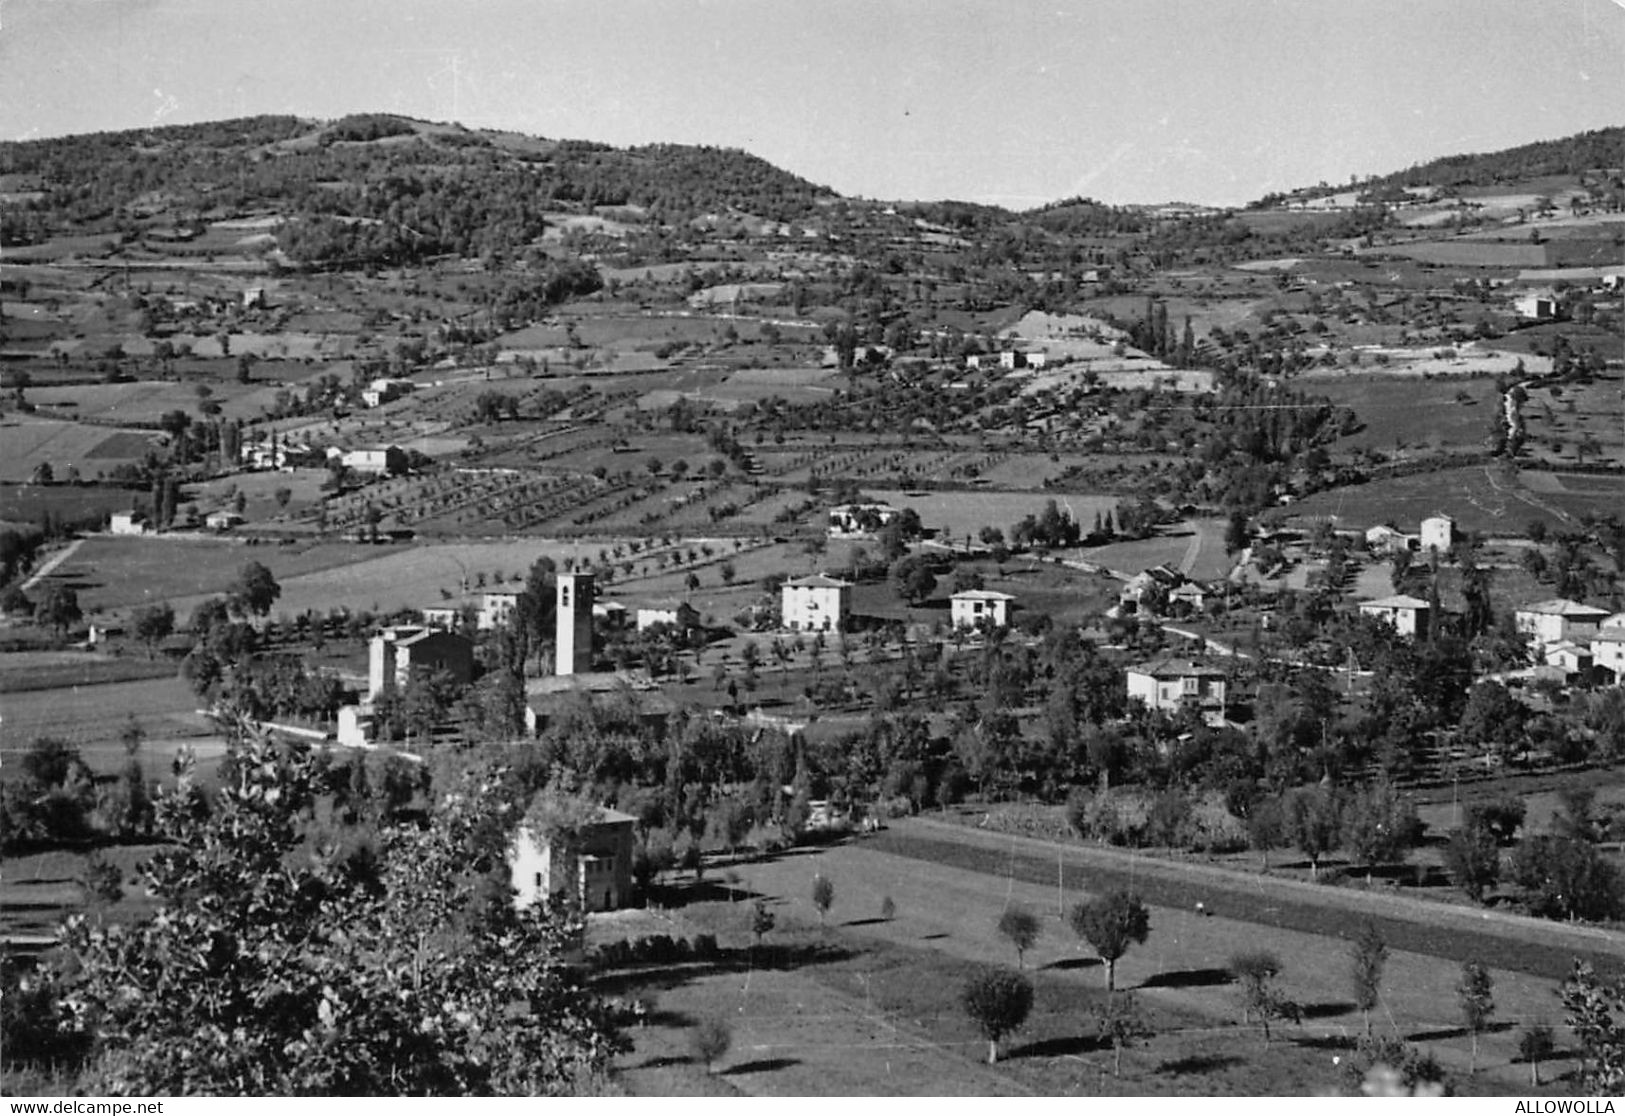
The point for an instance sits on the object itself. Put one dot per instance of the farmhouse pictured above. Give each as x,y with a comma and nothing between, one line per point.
1386,539
612,614
1438,533
379,461
1148,590
222,520
495,610
128,523
1536,307
386,390
1608,652
851,521
980,608
1569,657
1175,684
1405,614
588,866
396,652
816,604
1556,620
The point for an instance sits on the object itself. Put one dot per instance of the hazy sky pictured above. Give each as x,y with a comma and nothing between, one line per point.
1214,101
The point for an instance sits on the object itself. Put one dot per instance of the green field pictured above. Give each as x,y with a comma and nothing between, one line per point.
1414,413
1484,499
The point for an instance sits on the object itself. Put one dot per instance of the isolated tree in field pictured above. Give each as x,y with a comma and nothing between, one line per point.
1310,816
1367,956
254,591
1120,1023
1535,1045
888,909
1021,928
761,921
1256,971
1595,1012
153,624
1475,995
998,1002
1110,925
1473,858
823,896
59,608
710,1040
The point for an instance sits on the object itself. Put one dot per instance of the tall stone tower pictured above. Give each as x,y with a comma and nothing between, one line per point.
572,642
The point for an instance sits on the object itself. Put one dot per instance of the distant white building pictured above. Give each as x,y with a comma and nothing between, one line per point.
590,869
649,617
1608,651
378,461
980,608
222,520
815,604
128,523
1383,539
1174,684
386,390
1405,614
1556,620
847,521
1438,533
496,609
1536,307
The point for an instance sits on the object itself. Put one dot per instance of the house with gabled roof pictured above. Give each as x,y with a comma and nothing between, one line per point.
1558,619
1172,684
1407,615
980,608
819,603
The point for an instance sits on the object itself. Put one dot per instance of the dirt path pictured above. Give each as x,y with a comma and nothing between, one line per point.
50,564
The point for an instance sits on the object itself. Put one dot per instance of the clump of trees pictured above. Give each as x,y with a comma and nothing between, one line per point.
387,961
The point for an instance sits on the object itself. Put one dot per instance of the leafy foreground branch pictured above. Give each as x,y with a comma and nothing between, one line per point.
284,963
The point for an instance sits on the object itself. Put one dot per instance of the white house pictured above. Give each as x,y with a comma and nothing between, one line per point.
128,523
1383,539
396,652
1438,533
1570,657
495,609
1556,620
1536,307
1173,684
649,617
815,604
380,461
1608,651
1407,615
590,868
980,608
386,390
848,521
222,520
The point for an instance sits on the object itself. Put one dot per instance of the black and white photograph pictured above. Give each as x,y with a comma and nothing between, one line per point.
782,549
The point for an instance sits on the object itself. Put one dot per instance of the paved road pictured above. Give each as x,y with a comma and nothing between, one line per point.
1416,926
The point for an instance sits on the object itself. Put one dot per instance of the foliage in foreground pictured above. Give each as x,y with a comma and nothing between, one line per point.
282,964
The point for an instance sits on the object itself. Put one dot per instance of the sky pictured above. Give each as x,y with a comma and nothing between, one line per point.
1003,101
